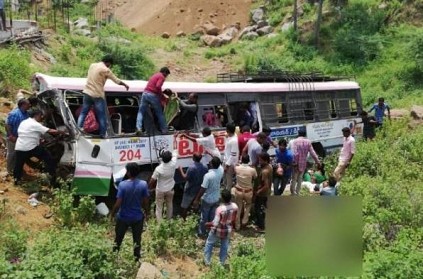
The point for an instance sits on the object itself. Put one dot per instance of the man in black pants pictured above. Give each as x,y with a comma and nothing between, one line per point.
27,145
132,194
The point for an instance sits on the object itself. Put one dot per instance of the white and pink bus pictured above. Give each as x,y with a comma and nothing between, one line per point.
322,107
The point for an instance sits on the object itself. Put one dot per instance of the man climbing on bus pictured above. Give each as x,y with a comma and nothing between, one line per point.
152,96
94,95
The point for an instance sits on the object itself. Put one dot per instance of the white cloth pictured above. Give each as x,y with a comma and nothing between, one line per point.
29,134
164,174
209,145
231,151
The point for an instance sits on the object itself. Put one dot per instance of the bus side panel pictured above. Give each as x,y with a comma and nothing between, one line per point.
93,170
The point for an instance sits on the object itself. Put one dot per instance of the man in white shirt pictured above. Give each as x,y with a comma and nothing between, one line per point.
163,180
27,145
231,155
208,143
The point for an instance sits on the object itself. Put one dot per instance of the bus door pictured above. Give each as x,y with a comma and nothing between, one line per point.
244,110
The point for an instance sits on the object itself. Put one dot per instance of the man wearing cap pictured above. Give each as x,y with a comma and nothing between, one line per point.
346,155
94,95
152,96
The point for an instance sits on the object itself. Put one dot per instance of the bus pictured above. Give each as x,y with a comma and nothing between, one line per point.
284,103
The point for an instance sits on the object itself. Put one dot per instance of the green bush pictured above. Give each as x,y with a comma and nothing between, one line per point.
12,242
15,70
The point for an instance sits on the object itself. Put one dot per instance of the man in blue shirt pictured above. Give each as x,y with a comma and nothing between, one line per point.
13,121
2,15
132,195
209,194
330,190
379,109
283,167
194,177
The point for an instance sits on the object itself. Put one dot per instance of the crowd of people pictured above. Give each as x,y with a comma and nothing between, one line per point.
242,179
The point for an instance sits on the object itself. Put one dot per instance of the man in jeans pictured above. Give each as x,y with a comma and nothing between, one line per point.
163,180
152,96
283,169
263,191
14,119
301,147
194,177
132,195
221,228
94,95
209,194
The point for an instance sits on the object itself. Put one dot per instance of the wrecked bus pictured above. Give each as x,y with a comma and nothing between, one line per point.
285,103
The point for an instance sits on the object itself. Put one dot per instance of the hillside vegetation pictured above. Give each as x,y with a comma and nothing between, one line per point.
379,43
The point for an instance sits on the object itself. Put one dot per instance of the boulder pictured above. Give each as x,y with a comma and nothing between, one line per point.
212,41
265,30
165,35
81,23
181,34
262,23
286,26
257,14
211,29
148,271
399,113
231,31
225,39
82,32
416,112
250,36
247,30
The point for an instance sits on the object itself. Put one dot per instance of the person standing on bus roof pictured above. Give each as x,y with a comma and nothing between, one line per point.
346,155
94,95
301,147
379,109
186,118
14,119
152,96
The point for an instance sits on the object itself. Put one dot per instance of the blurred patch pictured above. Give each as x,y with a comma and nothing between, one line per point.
314,236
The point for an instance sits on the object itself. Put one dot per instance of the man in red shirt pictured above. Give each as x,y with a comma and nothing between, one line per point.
244,137
152,96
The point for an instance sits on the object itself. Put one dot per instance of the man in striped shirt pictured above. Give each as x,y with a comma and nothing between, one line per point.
301,147
221,228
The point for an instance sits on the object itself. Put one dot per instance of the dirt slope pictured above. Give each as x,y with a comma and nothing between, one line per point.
158,16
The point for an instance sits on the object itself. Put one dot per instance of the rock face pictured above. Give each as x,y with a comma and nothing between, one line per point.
250,36
265,30
399,113
148,271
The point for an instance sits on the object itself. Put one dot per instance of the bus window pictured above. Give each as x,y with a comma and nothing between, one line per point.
353,107
281,112
344,107
244,114
309,111
213,116
332,110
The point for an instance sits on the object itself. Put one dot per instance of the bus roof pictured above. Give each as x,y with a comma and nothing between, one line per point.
137,86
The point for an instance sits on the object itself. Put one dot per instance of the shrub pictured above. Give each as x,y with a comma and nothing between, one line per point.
15,70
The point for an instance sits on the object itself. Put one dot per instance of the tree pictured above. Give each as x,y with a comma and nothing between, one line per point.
295,14
317,26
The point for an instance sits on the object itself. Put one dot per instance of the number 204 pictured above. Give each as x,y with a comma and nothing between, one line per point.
129,155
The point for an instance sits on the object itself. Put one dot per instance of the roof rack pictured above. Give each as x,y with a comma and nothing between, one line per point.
278,76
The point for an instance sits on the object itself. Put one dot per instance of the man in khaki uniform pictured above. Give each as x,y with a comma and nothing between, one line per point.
243,190
94,95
